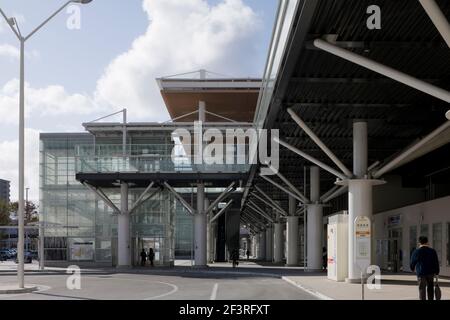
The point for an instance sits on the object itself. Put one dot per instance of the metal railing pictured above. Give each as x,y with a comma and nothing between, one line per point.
156,158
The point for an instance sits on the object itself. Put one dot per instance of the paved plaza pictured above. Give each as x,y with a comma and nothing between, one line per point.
250,281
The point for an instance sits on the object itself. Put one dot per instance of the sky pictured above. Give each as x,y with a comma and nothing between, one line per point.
92,60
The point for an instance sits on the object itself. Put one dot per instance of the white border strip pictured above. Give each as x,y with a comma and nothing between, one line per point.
308,290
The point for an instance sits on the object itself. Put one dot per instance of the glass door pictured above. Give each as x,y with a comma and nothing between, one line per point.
155,243
395,253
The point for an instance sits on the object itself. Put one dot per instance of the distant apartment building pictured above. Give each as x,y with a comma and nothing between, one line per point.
4,190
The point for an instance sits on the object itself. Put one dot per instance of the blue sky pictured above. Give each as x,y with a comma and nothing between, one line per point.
77,58
74,76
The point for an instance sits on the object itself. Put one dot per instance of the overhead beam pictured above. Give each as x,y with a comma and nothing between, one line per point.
287,191
398,159
258,211
150,195
138,201
331,191
269,199
222,196
102,196
384,70
296,104
438,18
335,194
381,44
311,159
267,203
341,80
290,185
319,142
180,198
255,218
224,209
254,206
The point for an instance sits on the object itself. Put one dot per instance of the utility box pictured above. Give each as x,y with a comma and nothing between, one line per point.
337,240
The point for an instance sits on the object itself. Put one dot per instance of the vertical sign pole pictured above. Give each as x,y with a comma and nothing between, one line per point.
362,286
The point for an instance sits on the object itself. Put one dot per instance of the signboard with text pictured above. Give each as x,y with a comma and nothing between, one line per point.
362,238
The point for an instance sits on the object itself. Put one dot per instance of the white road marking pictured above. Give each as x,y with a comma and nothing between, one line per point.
214,291
174,287
308,290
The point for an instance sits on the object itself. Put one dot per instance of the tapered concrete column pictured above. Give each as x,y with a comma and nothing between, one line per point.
359,194
123,230
269,243
212,242
278,242
262,245
292,234
360,149
314,223
208,233
200,229
255,246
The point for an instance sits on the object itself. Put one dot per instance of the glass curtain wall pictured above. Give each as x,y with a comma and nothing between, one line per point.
78,227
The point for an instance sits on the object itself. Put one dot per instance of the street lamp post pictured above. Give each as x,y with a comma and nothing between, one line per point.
27,208
22,39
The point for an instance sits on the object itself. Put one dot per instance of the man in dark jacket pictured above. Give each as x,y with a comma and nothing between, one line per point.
424,261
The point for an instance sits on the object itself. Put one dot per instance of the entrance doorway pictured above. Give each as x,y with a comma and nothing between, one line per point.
156,243
395,253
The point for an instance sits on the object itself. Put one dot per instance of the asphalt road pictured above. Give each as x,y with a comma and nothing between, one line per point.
174,286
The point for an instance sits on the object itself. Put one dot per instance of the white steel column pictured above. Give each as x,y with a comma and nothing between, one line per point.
269,243
359,193
255,245
123,230
314,223
200,228
439,19
262,245
202,111
41,253
209,235
278,242
292,234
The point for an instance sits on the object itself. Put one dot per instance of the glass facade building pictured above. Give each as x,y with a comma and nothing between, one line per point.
79,227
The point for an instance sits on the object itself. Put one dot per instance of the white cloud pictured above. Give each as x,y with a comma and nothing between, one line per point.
182,36
9,51
8,163
42,102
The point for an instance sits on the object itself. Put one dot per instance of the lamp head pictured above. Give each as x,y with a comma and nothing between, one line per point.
447,115
82,1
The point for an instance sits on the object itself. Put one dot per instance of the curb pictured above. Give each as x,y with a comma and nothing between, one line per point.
309,290
18,290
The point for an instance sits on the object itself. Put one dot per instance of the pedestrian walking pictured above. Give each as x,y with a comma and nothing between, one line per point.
425,262
151,256
143,257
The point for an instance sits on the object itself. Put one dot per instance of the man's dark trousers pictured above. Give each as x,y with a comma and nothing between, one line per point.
426,285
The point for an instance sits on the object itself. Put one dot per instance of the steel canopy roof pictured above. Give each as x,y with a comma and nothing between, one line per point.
329,93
